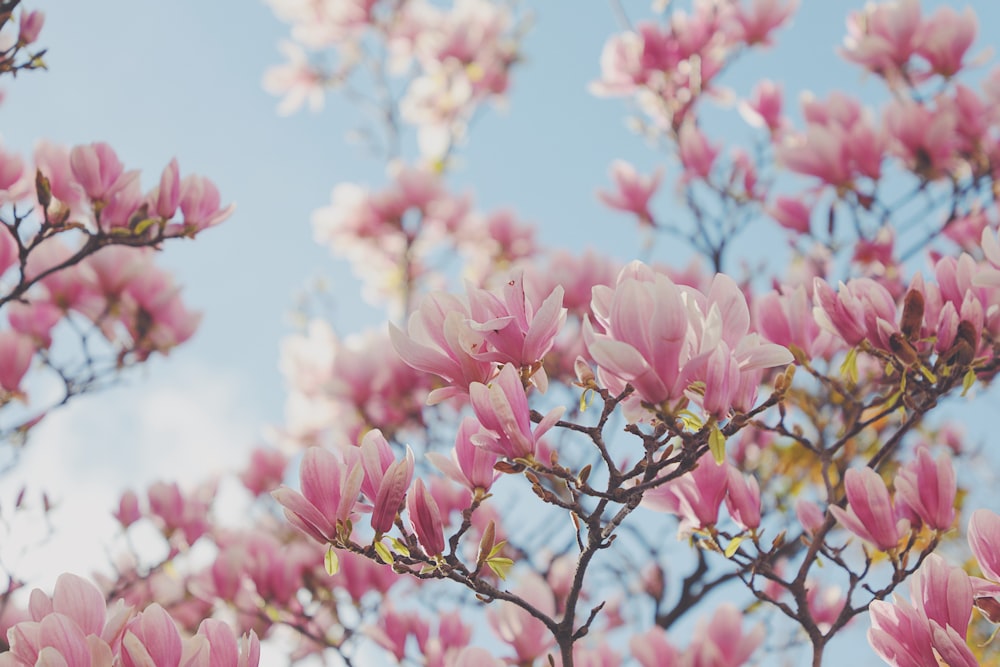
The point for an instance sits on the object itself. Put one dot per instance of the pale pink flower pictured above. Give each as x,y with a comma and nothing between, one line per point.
883,37
633,190
200,202
696,154
527,635
297,80
225,651
721,641
869,513
439,340
928,488
152,639
944,37
96,168
791,213
809,515
653,649
761,17
924,139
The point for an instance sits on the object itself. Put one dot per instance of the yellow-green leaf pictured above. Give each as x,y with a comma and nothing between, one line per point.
717,444
399,546
143,225
733,546
331,562
500,566
968,381
849,368
383,553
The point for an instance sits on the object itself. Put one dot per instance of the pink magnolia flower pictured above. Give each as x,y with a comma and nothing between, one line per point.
944,37
168,193
527,635
809,515
265,470
8,250
653,649
201,204
855,310
928,487
869,513
29,26
695,497
721,642
502,408
516,329
297,80
697,155
425,519
17,350
925,139
96,168
791,213
883,37
473,656
934,627
469,465
763,109
984,540
225,651
386,479
439,340
761,17
633,190
330,487
743,499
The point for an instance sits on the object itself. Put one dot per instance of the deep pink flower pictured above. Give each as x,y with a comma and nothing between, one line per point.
425,519
386,479
469,465
721,642
743,499
527,635
330,487
502,407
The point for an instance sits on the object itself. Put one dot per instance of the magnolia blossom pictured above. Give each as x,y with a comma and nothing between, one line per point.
869,513
661,338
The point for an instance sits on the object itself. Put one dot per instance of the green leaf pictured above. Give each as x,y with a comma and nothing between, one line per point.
717,444
496,549
143,225
968,381
849,368
584,401
732,547
500,566
331,562
691,420
399,547
384,553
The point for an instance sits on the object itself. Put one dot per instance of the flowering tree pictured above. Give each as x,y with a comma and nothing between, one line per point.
550,445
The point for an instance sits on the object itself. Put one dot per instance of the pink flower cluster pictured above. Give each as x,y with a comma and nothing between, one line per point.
669,67
931,628
925,495
76,628
670,342
464,342
696,496
719,642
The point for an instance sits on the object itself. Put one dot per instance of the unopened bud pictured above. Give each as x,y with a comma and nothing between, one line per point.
913,314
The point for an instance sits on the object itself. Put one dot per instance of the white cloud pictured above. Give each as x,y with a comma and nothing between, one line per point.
175,421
